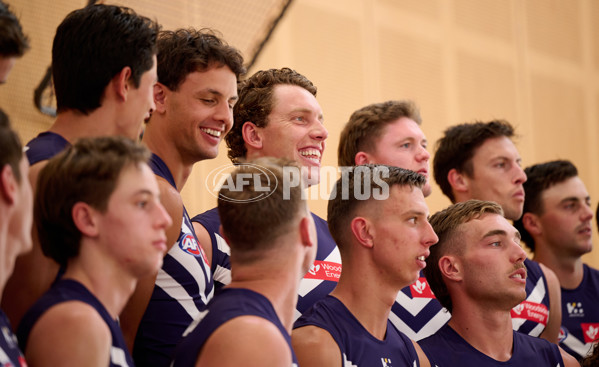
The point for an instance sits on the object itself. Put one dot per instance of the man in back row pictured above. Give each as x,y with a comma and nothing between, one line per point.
194,96
480,161
556,226
104,70
13,42
277,115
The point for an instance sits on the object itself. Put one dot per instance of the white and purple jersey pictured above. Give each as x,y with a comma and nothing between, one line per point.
182,291
320,280
531,315
228,304
65,290
357,346
10,354
580,315
446,348
45,146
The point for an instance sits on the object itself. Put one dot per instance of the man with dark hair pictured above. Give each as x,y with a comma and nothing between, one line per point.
378,217
477,272
104,70
13,42
195,94
480,161
98,214
277,115
556,225
389,133
249,322
16,213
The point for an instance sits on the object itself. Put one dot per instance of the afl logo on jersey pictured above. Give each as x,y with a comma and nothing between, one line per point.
190,245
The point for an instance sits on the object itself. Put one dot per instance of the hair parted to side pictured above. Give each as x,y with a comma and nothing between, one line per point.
13,42
541,177
91,46
87,172
446,224
184,51
458,145
363,179
366,125
11,150
256,102
252,225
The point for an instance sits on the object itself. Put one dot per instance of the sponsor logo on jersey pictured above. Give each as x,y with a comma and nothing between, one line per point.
590,331
575,309
324,270
386,362
192,247
531,311
421,289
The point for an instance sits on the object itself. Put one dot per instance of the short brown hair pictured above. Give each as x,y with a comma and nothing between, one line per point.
184,51
446,224
344,203
253,219
11,150
255,103
458,145
88,172
13,42
365,127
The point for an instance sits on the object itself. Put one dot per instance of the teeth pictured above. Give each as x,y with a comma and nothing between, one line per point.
212,132
421,258
517,276
310,152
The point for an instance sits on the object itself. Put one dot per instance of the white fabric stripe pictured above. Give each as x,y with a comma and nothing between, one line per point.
195,322
576,345
412,305
307,285
347,363
117,356
222,245
169,285
538,292
431,327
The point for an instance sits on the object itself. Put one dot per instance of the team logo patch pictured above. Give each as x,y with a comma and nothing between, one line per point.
189,244
531,311
386,362
563,334
421,289
590,331
575,309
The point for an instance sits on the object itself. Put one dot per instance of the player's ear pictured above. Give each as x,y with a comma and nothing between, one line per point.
8,184
361,158
122,84
84,217
532,223
451,267
160,92
458,180
252,135
362,231
307,232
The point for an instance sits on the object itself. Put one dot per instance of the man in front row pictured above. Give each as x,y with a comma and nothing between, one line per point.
384,240
248,323
98,215
477,272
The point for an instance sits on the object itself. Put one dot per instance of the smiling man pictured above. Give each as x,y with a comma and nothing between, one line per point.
556,226
383,243
480,161
477,272
277,115
195,94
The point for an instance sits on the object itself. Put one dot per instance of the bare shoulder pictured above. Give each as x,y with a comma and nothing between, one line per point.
173,203
246,341
78,334
569,360
314,346
204,239
424,362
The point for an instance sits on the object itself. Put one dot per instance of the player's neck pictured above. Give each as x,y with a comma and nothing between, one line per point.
158,142
489,331
568,269
371,308
73,124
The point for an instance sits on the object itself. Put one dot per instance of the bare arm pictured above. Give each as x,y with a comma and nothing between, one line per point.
204,238
424,362
245,341
569,360
315,347
135,308
69,334
554,322
33,272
